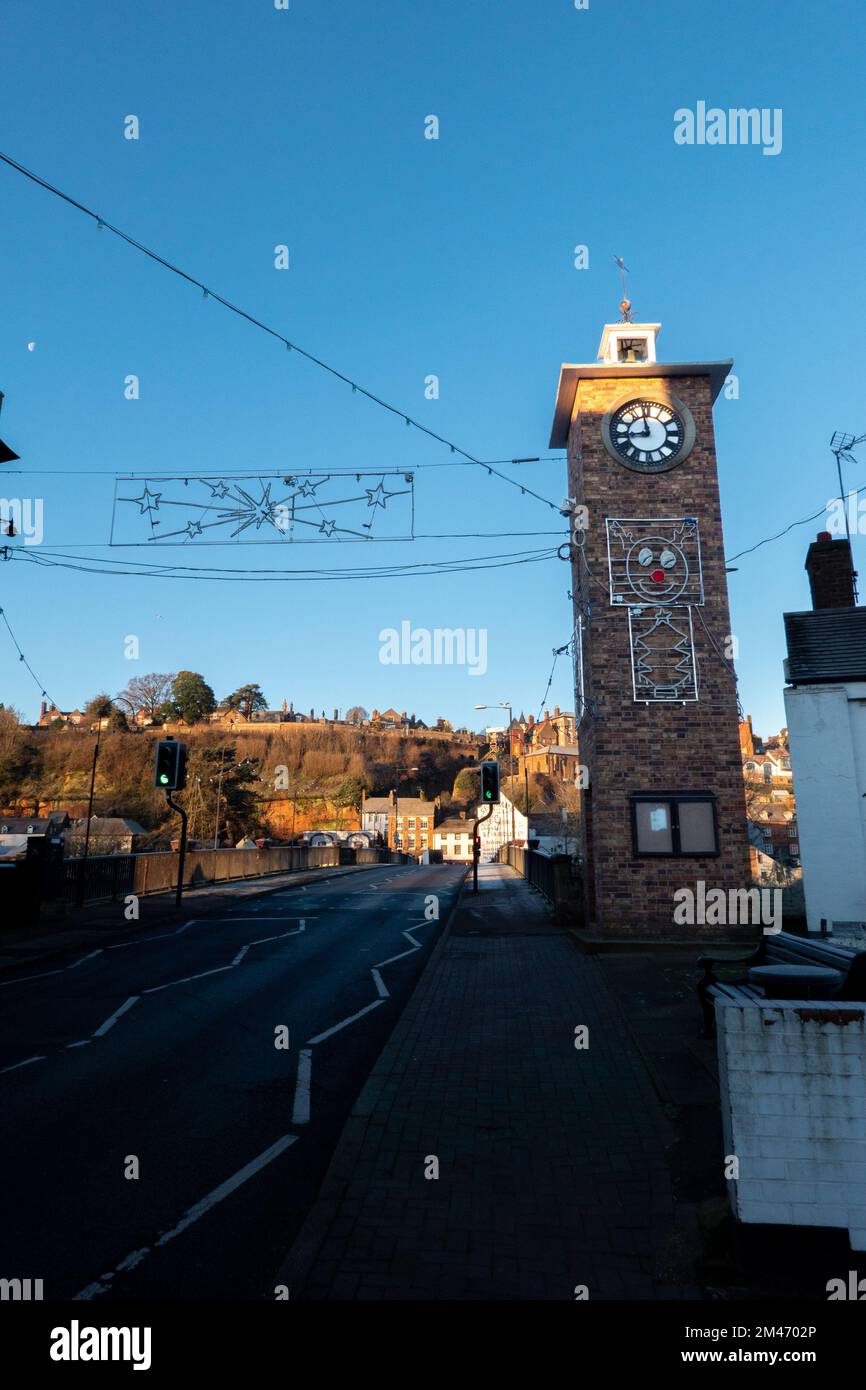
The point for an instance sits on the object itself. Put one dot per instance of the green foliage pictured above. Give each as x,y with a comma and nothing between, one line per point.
467,785
246,699
192,697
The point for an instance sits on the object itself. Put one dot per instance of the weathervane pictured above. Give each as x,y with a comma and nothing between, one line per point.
625,302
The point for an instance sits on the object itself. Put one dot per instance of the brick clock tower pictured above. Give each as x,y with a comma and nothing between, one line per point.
654,686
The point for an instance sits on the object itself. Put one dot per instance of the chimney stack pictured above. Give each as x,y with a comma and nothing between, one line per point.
831,572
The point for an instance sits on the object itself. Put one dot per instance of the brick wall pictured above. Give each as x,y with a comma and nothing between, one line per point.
630,747
793,1085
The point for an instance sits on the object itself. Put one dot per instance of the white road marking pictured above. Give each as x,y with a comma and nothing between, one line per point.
381,987
61,971
301,1108
228,1187
220,969
161,936
320,1037
192,1215
25,1063
110,1022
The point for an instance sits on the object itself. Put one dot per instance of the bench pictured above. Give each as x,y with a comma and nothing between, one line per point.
726,973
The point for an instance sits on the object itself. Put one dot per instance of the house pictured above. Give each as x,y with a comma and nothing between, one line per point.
825,701
454,838
504,825
16,832
403,822
108,835
50,715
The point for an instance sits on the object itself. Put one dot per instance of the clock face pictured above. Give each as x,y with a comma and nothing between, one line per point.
649,436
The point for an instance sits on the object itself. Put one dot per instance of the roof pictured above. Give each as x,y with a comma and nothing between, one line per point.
376,805
825,645
414,806
570,374
34,825
453,824
109,825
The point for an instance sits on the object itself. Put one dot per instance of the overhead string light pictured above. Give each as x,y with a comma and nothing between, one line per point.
21,657
263,327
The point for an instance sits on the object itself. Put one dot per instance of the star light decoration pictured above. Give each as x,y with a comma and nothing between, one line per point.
263,507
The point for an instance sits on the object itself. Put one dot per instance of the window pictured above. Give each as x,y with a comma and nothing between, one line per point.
678,824
412,823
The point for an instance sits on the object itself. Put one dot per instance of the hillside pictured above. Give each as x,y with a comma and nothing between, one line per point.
300,775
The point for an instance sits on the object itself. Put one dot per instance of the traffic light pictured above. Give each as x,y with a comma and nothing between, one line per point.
489,783
169,769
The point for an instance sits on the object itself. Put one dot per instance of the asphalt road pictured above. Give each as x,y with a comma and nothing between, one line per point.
161,1048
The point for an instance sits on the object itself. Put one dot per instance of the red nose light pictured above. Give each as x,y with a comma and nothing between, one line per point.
658,576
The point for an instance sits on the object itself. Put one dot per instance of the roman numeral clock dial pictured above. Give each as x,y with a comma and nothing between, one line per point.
649,436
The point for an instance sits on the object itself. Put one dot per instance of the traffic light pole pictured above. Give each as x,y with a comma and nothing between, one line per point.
476,848
182,856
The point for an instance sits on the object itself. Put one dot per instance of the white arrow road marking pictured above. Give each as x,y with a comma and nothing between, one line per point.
301,1108
193,1214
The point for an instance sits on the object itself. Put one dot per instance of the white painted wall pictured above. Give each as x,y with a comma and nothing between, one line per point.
497,830
827,733
793,1090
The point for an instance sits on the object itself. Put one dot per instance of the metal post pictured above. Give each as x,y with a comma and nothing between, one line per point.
82,876
476,846
182,856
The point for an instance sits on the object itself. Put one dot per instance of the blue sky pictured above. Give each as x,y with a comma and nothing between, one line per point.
409,257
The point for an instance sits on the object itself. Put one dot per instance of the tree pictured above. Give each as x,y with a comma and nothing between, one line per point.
356,715
350,792
467,785
227,786
246,698
191,697
147,694
100,707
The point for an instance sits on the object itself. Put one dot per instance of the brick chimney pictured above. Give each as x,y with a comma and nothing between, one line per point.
831,572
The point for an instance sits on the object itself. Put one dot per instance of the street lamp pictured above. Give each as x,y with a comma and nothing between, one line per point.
503,704
82,873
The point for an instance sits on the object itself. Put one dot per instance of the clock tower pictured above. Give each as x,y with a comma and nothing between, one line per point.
656,701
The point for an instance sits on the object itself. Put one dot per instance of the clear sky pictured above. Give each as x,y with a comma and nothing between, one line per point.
408,257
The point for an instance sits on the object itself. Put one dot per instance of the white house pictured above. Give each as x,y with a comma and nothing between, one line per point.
826,709
454,837
506,823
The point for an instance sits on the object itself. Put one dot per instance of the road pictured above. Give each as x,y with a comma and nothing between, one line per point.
161,1049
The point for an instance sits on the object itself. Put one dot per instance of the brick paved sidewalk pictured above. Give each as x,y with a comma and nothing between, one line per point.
552,1160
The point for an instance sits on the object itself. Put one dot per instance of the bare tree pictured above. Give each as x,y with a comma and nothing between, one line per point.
147,693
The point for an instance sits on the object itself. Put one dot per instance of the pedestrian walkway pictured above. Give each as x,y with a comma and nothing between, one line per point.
552,1167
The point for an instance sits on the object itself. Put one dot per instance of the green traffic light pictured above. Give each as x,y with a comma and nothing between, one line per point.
163,777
